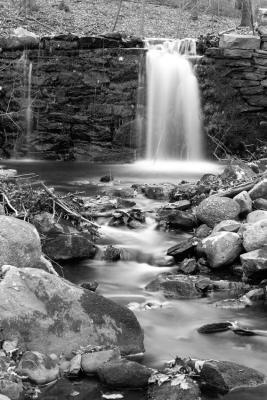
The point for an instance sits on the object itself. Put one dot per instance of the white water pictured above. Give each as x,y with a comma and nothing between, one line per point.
173,105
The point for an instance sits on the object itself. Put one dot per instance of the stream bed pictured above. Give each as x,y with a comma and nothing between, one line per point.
170,329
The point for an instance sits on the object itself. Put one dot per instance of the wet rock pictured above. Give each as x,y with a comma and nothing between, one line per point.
19,243
124,373
45,223
260,204
221,249
183,249
236,172
188,266
12,390
106,178
75,365
112,253
254,235
256,216
162,260
3,397
181,205
181,387
92,361
215,327
254,296
259,191
223,376
125,193
125,203
39,368
226,226
55,316
158,192
175,286
92,285
232,304
203,231
254,264
244,201
215,209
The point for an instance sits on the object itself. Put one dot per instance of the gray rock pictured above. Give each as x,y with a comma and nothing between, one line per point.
254,263
254,235
254,296
182,249
244,201
260,204
256,216
39,368
124,373
45,223
236,41
259,191
221,249
177,219
92,361
158,192
12,390
19,243
180,387
188,266
215,209
222,376
203,231
3,397
228,225
55,316
237,171
175,286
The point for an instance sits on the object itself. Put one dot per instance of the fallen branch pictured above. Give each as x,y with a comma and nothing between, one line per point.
9,204
238,189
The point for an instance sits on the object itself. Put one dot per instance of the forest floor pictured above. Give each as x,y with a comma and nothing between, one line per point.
87,17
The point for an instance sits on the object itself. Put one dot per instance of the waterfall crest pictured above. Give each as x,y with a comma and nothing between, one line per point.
173,104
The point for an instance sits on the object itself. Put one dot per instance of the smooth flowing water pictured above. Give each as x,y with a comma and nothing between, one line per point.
171,328
173,104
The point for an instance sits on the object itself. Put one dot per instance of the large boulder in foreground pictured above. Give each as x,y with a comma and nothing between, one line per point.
215,209
19,243
53,315
222,376
254,264
221,249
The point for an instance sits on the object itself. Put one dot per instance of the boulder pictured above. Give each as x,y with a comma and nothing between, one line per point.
259,191
254,264
182,249
19,243
236,41
221,249
3,397
215,209
180,387
183,220
55,316
256,216
238,171
244,201
92,361
203,231
223,376
175,286
38,367
228,225
260,204
45,223
12,390
124,373
254,235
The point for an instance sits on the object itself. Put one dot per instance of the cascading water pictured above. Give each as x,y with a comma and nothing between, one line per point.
173,105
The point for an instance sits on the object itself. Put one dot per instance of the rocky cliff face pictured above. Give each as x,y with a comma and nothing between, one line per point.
82,97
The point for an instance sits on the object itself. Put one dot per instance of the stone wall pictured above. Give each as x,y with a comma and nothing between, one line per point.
83,97
233,81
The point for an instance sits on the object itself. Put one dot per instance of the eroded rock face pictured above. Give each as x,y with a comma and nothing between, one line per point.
215,209
56,316
221,249
19,243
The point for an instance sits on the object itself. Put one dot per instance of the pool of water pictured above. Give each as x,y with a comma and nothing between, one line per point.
171,329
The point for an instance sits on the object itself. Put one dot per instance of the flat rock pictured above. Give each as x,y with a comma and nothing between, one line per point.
215,209
38,367
221,249
124,373
182,249
254,235
235,41
223,376
254,264
228,225
256,216
53,315
177,219
92,361
20,243
259,191
244,201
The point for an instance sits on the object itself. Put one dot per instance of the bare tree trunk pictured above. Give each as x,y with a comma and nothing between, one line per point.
246,13
117,16
194,11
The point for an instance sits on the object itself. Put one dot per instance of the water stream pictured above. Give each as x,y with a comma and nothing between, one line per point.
171,329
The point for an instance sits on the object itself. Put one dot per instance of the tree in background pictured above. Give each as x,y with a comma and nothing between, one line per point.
246,16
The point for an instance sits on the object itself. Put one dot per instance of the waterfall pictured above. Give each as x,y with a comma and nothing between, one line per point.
173,105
